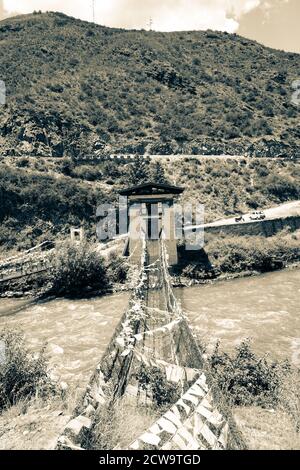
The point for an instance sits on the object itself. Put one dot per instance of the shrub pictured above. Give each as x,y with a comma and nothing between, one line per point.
67,166
22,163
255,253
246,378
87,172
117,268
22,374
154,380
282,187
78,268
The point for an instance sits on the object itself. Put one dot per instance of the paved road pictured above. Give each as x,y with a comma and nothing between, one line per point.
283,210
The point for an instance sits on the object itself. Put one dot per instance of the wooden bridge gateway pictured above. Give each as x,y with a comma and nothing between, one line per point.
154,333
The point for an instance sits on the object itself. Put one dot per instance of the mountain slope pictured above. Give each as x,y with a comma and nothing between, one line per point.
76,88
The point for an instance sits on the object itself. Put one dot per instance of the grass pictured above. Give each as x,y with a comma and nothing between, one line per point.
267,429
120,425
34,424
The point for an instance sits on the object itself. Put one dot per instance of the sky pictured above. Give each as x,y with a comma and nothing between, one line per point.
274,23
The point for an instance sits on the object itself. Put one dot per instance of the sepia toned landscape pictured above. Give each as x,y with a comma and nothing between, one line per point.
149,232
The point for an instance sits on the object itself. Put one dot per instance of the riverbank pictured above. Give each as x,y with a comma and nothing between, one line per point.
75,271
81,271
184,281
178,281
232,257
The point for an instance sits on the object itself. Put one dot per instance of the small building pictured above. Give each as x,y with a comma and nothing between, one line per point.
77,234
150,212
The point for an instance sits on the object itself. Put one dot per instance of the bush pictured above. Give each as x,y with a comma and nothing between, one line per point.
154,380
67,166
22,374
117,269
87,172
247,379
252,253
282,187
22,163
77,269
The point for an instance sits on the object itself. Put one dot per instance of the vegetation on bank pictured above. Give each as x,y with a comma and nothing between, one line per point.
80,269
228,255
77,270
236,254
246,379
23,375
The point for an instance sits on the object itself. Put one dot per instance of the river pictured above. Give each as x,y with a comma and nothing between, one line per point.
265,308
76,332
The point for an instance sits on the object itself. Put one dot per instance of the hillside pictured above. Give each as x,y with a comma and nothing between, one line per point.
40,198
76,88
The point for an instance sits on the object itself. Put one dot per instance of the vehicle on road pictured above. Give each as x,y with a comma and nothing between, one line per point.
239,218
257,215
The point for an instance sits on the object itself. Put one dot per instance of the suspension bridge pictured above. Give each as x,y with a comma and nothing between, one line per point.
154,332
153,335
31,262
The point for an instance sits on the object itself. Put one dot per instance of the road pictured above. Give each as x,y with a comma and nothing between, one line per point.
288,209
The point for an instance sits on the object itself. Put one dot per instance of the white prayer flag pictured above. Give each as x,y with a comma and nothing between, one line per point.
167,425
151,439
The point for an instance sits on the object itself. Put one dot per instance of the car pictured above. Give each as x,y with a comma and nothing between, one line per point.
257,215
239,218
262,215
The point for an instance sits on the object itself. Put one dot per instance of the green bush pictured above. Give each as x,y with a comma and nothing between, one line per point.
78,268
22,374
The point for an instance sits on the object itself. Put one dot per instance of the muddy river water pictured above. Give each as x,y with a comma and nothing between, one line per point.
264,308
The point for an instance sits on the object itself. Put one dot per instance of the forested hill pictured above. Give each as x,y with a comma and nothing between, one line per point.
76,88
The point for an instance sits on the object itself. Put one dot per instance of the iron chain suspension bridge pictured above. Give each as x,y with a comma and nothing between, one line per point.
154,333
28,263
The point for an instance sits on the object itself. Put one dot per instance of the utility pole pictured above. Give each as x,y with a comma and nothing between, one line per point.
150,23
93,10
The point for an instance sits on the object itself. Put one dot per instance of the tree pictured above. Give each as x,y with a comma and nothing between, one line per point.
158,173
138,171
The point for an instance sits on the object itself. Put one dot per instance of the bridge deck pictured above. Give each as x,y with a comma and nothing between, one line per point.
154,333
